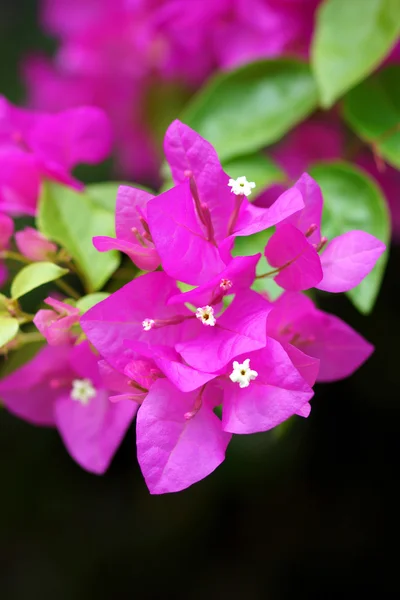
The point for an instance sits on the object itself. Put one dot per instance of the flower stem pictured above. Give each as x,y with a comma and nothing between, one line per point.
65,287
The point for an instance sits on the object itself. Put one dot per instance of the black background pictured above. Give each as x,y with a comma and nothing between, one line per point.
312,514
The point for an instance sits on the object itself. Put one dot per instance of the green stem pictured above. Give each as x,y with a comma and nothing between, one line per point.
15,256
65,287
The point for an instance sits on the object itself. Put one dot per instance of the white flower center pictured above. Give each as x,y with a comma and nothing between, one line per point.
148,324
82,391
241,186
225,284
242,374
206,315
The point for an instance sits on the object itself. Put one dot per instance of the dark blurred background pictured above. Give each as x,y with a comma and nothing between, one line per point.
312,513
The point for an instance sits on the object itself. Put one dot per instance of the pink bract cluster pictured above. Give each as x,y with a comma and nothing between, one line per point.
174,356
37,145
113,53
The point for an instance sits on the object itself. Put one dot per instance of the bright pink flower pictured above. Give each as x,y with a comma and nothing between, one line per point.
55,325
293,249
35,145
133,235
34,245
6,231
296,323
62,387
194,224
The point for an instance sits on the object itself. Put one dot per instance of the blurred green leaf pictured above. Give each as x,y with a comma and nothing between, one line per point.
372,109
17,358
90,300
104,194
34,275
72,219
244,110
8,329
351,38
256,167
352,200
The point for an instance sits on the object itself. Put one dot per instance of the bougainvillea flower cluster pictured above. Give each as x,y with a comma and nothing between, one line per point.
114,54
36,145
200,364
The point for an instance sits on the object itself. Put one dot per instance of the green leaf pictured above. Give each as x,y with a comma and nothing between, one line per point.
8,329
90,300
72,219
104,194
351,38
352,200
244,110
256,167
372,109
33,276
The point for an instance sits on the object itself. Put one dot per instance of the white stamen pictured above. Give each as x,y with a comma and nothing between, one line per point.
148,324
82,391
225,284
206,315
241,186
242,374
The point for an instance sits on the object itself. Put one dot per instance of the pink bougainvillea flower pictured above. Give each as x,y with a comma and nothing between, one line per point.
133,235
62,387
175,451
179,438
36,145
194,224
55,325
6,231
295,322
34,245
293,249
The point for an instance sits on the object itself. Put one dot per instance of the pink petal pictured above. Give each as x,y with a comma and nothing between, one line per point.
144,258
289,250
120,317
311,214
240,329
340,349
276,394
77,135
131,204
19,183
6,230
307,366
32,244
175,452
180,241
347,259
92,433
187,152
254,218
28,393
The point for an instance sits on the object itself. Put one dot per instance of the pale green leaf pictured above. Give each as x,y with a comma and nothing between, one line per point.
8,329
34,275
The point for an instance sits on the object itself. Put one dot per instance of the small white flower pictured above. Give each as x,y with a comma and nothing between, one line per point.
225,284
206,315
242,374
82,391
241,186
148,324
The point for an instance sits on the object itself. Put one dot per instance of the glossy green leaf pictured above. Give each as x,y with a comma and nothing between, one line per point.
90,300
352,200
351,38
34,275
256,167
72,219
244,110
372,109
8,329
